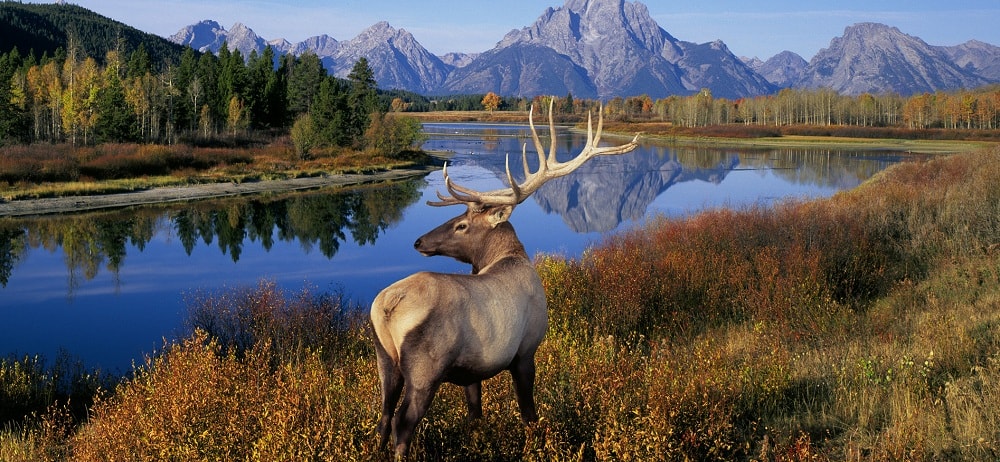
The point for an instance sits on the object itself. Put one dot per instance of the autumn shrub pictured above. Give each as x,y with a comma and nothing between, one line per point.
192,402
34,164
392,136
213,157
125,161
30,384
116,161
900,133
292,325
198,400
14,170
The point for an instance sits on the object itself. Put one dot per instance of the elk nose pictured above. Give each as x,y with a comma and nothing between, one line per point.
416,245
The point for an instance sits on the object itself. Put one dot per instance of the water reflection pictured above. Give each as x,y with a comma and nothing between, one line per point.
607,191
98,240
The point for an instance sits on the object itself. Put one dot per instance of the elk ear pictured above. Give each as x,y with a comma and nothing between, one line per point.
499,214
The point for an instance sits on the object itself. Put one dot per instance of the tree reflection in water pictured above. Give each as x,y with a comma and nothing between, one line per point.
320,219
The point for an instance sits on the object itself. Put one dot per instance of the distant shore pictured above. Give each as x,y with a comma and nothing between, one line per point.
69,204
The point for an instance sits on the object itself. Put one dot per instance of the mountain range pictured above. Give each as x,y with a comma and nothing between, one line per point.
608,48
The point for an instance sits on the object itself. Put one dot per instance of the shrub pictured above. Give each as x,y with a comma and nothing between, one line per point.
245,317
303,135
28,385
391,136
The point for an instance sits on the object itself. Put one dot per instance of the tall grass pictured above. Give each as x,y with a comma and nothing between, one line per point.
865,326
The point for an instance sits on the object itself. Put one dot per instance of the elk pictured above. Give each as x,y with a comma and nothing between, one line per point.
432,328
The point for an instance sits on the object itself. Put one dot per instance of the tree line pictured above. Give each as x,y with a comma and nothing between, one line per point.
961,109
69,97
977,109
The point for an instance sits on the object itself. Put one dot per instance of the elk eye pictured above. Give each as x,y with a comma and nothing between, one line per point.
461,227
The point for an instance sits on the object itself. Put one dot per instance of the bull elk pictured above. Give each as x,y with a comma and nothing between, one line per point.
465,328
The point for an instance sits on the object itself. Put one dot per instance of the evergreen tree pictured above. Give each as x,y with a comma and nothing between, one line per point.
362,100
305,74
207,78
232,79
262,86
138,63
331,114
184,106
276,99
114,122
13,121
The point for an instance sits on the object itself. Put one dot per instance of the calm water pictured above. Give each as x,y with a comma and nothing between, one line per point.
109,287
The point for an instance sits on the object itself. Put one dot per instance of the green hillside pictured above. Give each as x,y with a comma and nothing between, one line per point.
45,28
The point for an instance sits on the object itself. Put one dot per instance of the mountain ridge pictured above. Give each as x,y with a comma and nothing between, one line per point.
590,48
608,48
873,58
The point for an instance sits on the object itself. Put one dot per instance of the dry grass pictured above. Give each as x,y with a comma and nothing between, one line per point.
37,171
861,327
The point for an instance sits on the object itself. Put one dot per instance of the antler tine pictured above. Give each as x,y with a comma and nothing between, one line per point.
552,134
455,195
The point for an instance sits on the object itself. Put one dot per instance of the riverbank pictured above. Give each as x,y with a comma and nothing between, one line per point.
66,204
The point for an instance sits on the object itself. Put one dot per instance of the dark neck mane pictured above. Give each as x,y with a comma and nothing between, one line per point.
499,244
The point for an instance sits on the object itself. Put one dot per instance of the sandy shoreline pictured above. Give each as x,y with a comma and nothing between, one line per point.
27,207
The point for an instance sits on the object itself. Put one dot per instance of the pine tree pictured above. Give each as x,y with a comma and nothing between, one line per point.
362,99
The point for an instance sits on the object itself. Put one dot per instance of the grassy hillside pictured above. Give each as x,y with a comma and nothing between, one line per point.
46,27
865,326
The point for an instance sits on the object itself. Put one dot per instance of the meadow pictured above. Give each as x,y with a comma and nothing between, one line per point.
865,326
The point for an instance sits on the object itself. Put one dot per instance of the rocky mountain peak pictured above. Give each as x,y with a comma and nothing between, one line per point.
980,57
240,37
206,35
783,69
397,59
381,30
322,45
876,58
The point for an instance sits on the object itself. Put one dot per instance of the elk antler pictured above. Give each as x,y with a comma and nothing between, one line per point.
548,167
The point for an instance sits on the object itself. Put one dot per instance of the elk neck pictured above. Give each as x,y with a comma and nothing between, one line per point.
499,245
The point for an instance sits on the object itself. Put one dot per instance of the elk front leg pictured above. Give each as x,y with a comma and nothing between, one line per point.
523,372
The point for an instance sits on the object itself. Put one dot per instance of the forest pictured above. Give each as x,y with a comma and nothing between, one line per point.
204,99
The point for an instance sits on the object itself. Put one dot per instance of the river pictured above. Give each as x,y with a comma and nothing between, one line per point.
109,287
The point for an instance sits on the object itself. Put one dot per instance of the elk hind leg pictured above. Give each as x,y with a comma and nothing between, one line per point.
416,400
391,383
474,400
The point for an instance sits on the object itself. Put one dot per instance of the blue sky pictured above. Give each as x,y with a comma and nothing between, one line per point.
761,28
